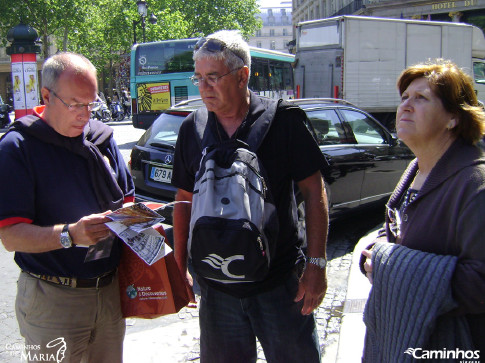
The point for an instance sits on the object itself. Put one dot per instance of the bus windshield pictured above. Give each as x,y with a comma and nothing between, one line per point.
165,57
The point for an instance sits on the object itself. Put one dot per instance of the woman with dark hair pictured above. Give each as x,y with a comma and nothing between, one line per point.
428,264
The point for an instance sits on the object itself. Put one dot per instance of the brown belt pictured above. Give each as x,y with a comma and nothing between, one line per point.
74,282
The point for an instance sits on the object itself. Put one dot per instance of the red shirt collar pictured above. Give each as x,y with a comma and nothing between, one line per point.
39,110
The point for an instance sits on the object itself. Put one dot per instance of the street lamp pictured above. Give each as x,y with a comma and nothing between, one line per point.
143,11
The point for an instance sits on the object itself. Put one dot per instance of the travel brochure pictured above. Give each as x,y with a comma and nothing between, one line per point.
134,225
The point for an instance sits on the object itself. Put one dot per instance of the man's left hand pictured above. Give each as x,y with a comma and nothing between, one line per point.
312,287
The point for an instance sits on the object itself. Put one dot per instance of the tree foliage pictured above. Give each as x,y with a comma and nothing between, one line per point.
103,29
478,20
207,16
48,17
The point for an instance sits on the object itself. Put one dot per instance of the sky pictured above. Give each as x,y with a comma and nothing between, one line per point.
273,3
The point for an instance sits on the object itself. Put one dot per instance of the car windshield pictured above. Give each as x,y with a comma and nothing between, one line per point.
164,131
479,72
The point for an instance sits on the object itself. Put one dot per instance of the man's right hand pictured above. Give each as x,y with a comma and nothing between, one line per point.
90,230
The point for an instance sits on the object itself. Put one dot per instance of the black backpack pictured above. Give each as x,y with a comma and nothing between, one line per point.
233,225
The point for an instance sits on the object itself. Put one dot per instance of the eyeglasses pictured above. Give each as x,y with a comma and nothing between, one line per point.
210,80
214,46
77,107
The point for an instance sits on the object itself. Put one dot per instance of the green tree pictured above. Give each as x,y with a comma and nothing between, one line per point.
103,29
48,17
478,20
207,16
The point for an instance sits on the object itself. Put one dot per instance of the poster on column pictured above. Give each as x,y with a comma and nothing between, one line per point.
18,86
30,81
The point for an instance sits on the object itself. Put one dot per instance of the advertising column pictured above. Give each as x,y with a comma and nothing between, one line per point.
25,84
23,50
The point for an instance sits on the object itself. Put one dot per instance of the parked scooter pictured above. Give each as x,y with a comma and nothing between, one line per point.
117,113
5,110
101,112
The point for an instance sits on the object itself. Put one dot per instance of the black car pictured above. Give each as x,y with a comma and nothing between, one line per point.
366,160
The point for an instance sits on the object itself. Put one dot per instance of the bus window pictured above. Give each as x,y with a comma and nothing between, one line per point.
164,57
281,76
259,80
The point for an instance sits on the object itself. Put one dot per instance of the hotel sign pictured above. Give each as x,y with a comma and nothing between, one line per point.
448,5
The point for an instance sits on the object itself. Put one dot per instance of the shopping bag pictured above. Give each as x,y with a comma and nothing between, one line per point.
150,291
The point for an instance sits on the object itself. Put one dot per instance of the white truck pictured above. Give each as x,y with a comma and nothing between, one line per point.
359,58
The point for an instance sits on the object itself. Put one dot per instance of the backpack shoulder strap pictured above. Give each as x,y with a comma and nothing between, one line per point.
262,125
287,106
204,133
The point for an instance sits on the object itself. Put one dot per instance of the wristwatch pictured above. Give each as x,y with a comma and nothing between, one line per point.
66,240
319,261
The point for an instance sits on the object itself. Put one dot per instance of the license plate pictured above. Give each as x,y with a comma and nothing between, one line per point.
161,174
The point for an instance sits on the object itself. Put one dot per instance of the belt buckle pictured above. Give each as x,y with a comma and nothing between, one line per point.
63,281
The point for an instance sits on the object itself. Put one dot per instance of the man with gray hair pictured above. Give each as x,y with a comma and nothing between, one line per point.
278,308
64,172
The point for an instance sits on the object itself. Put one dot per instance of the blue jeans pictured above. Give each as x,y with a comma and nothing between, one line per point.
229,327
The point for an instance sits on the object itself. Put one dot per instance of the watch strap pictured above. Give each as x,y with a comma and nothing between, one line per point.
66,240
318,261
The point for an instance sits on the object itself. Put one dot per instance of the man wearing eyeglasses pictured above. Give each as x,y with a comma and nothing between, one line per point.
278,309
60,173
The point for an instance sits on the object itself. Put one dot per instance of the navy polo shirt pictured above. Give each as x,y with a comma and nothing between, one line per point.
45,184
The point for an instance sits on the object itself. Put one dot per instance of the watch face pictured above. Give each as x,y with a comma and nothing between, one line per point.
319,261
66,241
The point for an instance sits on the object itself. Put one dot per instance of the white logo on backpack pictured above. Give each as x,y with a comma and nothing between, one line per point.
222,264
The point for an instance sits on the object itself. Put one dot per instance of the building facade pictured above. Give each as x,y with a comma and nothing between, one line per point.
460,11
277,30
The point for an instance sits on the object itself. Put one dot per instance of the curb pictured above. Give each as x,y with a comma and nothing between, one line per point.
352,328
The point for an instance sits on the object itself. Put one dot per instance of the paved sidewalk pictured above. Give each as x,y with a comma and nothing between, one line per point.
352,329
